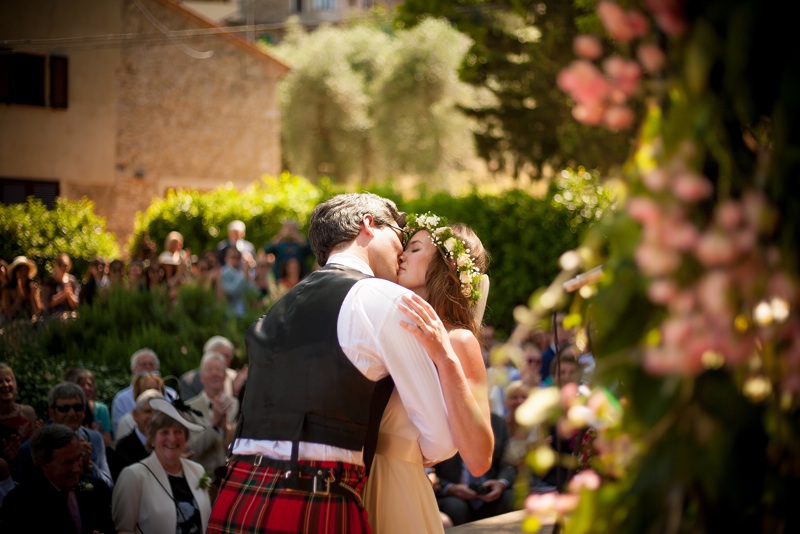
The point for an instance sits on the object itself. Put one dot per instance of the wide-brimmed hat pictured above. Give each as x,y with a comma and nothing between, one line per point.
21,260
163,405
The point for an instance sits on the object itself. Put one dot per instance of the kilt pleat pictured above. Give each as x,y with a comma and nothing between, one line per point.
250,500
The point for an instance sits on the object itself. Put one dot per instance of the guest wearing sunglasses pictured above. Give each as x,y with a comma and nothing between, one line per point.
66,405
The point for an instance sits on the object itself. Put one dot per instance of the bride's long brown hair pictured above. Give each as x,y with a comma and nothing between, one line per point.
444,287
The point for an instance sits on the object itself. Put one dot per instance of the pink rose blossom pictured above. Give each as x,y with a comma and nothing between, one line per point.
676,330
651,57
618,118
715,249
589,115
656,180
656,261
661,291
712,291
691,187
587,47
587,479
684,302
681,235
639,23
584,82
669,15
644,210
729,215
616,21
625,75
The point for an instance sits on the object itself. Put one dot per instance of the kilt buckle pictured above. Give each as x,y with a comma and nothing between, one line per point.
318,479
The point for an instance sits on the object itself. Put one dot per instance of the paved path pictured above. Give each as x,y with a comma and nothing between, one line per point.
510,523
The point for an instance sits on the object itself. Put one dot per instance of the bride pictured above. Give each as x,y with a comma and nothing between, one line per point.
444,265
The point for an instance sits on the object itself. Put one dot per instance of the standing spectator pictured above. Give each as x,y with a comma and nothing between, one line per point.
465,498
133,446
142,361
18,421
235,286
116,273
206,272
219,412
264,279
177,263
22,297
96,281
136,276
531,366
62,497
96,415
236,233
289,242
66,404
155,276
164,492
61,290
561,337
290,276
565,368
3,284
190,384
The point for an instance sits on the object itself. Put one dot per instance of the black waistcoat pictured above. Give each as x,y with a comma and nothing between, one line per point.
300,384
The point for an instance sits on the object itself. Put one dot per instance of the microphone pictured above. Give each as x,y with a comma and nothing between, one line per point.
589,277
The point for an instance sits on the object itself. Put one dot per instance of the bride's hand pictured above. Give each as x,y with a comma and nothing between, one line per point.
426,326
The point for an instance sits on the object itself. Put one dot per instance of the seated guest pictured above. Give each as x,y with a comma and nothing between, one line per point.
219,411
464,498
133,447
18,421
141,383
165,492
97,415
61,497
66,404
190,385
142,361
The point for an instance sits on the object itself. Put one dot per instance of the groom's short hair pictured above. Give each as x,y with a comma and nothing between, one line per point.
338,220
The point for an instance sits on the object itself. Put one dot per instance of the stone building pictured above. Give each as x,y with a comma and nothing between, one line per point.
122,100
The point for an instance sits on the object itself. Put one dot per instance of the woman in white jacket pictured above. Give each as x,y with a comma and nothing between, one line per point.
164,493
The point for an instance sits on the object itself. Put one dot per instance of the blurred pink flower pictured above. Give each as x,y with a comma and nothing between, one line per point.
715,248
728,214
644,210
618,118
591,115
713,292
584,82
625,75
587,47
651,57
656,261
616,21
639,23
684,302
587,479
669,15
691,187
681,235
665,360
656,180
662,290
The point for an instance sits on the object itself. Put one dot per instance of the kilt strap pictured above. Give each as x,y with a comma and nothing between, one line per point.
302,478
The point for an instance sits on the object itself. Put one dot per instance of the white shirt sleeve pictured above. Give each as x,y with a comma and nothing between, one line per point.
371,336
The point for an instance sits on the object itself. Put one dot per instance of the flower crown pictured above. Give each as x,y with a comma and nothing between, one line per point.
452,247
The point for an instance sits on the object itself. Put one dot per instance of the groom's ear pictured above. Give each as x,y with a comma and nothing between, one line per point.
368,225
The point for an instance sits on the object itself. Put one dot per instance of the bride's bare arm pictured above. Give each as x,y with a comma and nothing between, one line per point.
462,373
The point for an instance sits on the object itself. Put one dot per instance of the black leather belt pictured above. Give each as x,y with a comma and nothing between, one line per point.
303,478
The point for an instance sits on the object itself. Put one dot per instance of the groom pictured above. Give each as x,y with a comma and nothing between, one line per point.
319,360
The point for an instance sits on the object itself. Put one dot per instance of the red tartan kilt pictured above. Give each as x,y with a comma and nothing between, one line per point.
249,501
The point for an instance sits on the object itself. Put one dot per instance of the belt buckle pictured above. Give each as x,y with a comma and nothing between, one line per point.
315,489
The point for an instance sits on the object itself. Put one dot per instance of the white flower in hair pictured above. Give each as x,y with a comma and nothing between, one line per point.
453,248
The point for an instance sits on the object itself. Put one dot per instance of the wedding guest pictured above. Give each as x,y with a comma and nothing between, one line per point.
136,276
134,447
97,415
96,281
141,383
66,405
235,286
61,497
22,294
236,233
18,421
165,492
142,361
190,384
61,290
218,410
289,242
116,273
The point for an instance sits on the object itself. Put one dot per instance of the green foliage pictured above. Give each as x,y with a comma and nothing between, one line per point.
360,103
202,217
523,121
31,230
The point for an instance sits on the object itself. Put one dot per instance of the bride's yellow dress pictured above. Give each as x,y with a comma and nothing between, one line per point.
398,496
